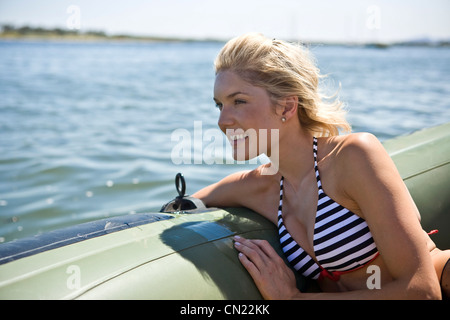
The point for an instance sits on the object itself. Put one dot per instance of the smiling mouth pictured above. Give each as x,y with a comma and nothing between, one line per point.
237,137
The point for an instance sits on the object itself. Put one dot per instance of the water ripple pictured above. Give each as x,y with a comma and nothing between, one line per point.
86,128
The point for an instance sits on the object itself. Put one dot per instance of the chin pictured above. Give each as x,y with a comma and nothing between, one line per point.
244,156
245,151
238,157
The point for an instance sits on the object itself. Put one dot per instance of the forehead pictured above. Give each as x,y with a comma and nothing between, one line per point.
228,82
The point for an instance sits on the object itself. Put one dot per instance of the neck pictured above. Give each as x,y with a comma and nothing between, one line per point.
295,155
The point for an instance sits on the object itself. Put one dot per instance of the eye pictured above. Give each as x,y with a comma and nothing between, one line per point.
219,106
239,101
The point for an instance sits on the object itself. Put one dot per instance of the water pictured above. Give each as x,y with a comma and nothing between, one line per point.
85,128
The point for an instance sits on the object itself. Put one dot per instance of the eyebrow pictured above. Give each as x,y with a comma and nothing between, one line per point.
233,94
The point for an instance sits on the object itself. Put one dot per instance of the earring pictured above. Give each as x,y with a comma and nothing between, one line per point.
283,119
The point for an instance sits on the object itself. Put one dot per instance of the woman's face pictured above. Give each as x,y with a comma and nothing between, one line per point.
247,115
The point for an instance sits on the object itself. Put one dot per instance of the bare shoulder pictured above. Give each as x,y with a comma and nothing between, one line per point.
369,176
254,181
362,155
344,153
359,144
239,189
360,150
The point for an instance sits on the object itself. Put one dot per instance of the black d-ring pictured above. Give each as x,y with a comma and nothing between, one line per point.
181,188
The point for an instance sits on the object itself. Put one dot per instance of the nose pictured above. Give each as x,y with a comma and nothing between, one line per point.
226,119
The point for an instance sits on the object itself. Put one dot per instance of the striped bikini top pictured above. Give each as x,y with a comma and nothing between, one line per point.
342,240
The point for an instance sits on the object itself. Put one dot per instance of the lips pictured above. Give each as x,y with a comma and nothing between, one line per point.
237,137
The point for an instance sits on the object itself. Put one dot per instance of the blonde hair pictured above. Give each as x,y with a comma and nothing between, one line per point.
285,69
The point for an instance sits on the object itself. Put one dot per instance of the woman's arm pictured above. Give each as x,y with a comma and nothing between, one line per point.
371,180
226,192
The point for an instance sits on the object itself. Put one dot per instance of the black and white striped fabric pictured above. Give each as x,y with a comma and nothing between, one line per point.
342,240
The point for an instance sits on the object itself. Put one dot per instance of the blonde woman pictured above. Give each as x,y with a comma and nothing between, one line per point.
338,201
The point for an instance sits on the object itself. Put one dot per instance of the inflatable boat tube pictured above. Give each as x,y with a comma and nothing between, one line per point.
190,254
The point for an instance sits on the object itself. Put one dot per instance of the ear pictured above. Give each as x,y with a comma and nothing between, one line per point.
287,107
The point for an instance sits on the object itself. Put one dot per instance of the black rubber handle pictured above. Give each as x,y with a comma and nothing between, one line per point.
180,184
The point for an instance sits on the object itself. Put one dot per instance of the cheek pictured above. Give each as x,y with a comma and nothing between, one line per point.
258,141
267,141
262,114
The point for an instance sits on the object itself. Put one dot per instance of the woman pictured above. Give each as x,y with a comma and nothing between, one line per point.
339,203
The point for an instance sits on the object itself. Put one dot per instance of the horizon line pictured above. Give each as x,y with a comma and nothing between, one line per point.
28,31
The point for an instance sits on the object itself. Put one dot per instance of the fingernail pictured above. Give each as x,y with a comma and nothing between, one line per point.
237,244
237,238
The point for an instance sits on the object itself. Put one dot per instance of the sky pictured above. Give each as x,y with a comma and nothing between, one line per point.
307,20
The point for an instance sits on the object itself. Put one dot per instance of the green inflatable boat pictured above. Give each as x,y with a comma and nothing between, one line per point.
189,254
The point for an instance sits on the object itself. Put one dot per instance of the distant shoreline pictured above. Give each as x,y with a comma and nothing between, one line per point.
63,35
58,34
91,38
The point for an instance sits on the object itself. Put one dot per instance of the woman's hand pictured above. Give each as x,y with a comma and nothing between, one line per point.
274,279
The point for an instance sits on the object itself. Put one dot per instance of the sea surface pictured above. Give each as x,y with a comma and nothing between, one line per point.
95,130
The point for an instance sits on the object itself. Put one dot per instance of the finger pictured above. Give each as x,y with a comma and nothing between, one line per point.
252,252
249,266
253,244
267,248
264,248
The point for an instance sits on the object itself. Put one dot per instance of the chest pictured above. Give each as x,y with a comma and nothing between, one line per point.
299,214
305,208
